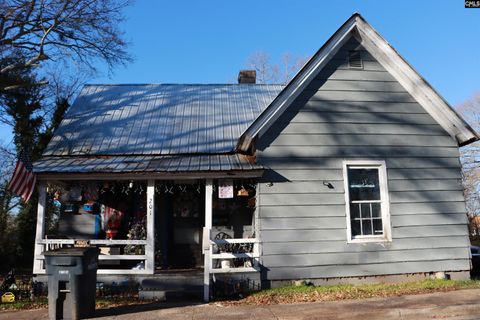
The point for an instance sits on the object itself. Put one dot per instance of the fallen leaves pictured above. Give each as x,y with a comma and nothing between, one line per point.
298,294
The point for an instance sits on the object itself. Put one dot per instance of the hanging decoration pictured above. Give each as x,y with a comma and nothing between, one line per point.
242,192
186,204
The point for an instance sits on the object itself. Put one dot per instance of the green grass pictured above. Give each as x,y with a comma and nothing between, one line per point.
304,293
37,303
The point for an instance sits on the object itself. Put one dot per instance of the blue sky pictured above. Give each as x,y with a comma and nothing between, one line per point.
209,41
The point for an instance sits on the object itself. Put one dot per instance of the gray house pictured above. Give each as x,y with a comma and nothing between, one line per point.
349,171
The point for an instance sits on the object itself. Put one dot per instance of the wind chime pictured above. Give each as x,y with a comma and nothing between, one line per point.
169,187
123,188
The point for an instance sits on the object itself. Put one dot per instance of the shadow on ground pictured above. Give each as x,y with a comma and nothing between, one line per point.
142,307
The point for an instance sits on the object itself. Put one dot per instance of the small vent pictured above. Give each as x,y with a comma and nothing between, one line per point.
355,60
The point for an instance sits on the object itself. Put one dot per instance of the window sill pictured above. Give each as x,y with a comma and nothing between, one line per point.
369,240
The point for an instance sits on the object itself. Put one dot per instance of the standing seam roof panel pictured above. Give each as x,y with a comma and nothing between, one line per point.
159,119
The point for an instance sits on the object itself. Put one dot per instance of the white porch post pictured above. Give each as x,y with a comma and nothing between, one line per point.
206,239
150,247
40,230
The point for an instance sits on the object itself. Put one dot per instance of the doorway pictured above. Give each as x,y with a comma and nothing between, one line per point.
180,219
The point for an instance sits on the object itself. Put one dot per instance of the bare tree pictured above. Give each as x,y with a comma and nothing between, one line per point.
289,67
470,158
261,63
271,72
37,31
47,47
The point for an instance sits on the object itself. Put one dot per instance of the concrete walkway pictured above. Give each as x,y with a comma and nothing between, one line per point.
458,305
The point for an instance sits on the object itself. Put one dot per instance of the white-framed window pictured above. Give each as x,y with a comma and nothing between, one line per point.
366,198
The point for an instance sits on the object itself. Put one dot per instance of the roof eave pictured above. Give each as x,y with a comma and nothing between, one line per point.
467,142
182,175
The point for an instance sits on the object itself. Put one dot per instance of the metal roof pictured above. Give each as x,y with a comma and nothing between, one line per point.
126,164
159,119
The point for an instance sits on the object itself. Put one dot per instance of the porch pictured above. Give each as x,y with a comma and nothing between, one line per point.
153,229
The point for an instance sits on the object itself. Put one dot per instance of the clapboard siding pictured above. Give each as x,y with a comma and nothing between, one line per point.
306,199
312,187
362,140
361,151
279,199
333,163
328,222
354,74
319,210
338,187
426,185
270,236
429,219
282,248
351,128
282,175
295,223
417,174
338,210
358,117
317,234
371,86
356,258
429,231
358,114
428,207
354,96
360,270
424,196
358,106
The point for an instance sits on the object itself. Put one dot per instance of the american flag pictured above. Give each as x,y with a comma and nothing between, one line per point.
23,179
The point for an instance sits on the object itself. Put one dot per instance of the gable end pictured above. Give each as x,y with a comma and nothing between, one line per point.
415,85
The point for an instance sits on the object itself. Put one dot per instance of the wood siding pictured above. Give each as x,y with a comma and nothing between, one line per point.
358,114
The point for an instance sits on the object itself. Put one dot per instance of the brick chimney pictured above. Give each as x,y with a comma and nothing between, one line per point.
247,76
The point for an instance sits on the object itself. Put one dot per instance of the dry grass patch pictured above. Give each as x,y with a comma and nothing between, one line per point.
296,294
100,303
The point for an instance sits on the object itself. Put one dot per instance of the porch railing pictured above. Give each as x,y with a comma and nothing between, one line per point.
49,244
236,251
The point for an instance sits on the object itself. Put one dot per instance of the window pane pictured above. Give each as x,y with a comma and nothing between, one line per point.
376,213
377,226
367,227
363,184
355,228
366,210
354,210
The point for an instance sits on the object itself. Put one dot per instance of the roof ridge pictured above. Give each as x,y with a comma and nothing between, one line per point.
182,84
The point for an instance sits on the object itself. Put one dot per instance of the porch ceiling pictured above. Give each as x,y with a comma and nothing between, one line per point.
136,164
